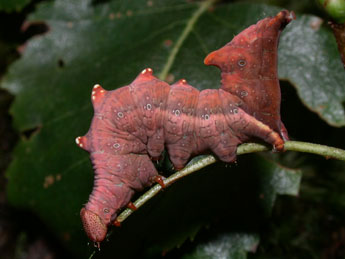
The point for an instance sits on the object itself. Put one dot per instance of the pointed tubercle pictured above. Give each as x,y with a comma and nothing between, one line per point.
144,76
97,94
286,17
147,71
182,81
81,142
208,61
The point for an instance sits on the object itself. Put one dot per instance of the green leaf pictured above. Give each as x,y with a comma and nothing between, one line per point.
13,5
276,179
310,60
110,43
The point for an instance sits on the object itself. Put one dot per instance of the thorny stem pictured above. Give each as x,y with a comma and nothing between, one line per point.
327,152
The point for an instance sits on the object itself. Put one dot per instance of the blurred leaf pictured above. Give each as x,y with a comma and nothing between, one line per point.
310,60
276,179
13,5
233,246
238,198
335,8
312,225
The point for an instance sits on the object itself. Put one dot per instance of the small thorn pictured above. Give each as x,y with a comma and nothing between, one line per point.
131,206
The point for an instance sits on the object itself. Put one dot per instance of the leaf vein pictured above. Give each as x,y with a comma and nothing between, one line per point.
185,33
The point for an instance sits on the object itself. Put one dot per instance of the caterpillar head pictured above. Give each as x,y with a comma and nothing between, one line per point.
94,227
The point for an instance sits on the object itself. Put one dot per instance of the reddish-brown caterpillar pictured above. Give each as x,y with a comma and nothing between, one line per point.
133,124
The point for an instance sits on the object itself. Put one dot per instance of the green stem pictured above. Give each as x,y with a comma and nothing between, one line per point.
327,152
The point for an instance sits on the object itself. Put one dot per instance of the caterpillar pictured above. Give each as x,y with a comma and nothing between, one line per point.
132,125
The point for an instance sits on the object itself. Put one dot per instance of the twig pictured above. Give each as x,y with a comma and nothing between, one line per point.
327,152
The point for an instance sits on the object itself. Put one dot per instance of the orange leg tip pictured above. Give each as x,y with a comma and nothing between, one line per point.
160,180
278,147
117,223
131,206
